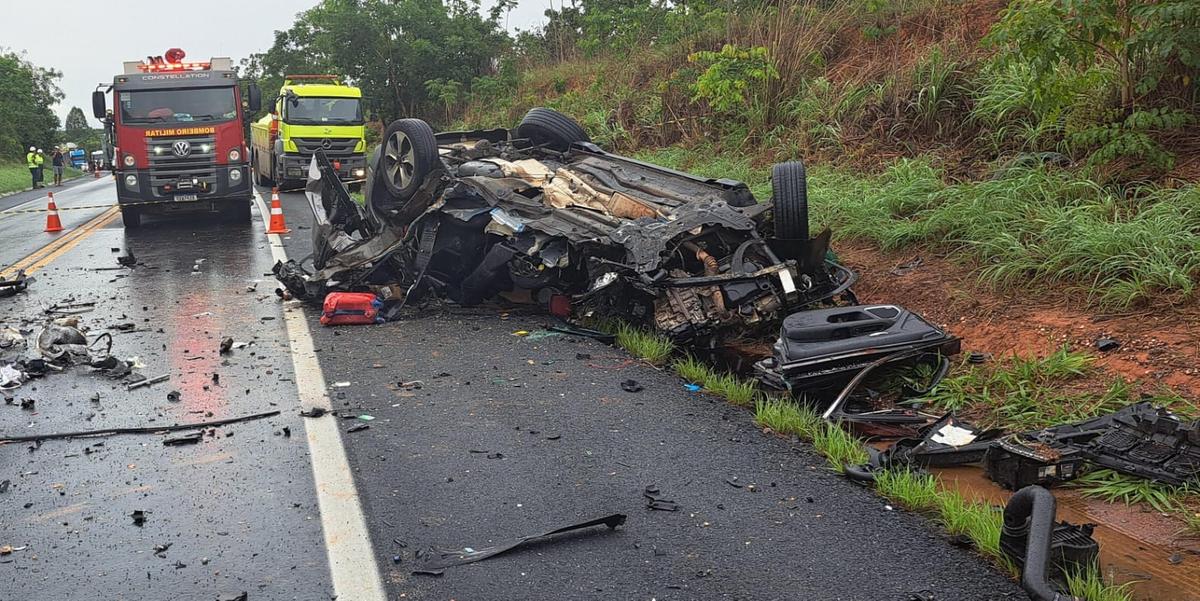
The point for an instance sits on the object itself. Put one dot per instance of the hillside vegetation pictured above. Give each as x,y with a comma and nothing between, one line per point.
1068,163
1048,144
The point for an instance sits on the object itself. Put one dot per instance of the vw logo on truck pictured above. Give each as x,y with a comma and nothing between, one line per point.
181,148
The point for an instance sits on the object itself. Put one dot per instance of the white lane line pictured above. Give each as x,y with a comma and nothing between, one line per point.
42,199
352,566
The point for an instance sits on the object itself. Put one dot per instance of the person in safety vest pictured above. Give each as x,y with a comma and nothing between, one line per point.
31,162
41,171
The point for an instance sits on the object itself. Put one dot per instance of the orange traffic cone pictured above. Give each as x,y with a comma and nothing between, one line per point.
276,225
52,222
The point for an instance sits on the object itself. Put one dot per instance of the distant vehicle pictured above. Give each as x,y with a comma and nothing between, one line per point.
177,131
312,112
99,160
79,158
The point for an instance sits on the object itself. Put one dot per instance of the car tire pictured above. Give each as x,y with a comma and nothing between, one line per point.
789,194
131,217
550,128
409,153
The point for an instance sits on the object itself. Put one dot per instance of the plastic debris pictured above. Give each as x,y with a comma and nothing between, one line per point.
435,561
655,500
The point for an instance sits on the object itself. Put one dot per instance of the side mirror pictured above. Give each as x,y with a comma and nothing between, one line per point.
98,109
253,97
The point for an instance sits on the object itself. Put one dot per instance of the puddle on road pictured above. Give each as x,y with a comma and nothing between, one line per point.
1135,545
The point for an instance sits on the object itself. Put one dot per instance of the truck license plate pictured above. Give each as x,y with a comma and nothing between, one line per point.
184,197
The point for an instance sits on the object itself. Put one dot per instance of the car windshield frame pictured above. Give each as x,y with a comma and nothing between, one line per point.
203,105
292,103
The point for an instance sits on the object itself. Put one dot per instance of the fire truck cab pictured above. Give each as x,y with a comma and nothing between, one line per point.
178,132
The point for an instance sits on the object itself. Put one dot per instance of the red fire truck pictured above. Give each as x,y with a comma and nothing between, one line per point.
178,132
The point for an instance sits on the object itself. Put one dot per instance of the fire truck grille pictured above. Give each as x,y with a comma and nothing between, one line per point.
334,147
184,153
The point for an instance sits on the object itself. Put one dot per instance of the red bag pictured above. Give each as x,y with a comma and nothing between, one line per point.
351,308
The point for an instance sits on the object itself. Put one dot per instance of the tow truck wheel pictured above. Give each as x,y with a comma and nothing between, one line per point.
131,217
789,193
409,153
259,178
548,127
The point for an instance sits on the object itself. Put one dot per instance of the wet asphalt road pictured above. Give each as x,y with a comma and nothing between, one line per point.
235,511
573,446
502,437
23,217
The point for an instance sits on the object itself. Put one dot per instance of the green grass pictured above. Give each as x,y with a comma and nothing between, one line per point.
921,492
1022,393
840,447
911,490
1090,584
979,522
693,370
1116,487
787,417
14,177
736,390
644,345
1026,229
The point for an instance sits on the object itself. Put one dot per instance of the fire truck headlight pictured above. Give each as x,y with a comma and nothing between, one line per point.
235,155
360,172
235,175
159,150
131,181
128,160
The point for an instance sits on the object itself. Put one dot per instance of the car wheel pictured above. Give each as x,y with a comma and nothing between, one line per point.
548,127
409,153
789,193
131,217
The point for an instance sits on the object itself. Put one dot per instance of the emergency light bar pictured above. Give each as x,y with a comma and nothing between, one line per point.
182,66
156,66
336,79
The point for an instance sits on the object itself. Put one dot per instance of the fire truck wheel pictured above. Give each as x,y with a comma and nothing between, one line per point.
409,153
131,217
236,211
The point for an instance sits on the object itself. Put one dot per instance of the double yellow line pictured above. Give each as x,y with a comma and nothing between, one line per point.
61,245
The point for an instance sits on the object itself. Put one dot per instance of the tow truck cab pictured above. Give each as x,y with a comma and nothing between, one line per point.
178,132
312,112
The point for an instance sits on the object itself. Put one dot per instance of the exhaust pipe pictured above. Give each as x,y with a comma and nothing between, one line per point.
1030,515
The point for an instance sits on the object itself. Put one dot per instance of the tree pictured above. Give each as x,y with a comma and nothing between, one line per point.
25,115
1148,49
389,48
76,124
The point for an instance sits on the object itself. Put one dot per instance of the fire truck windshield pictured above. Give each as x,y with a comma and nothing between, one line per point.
177,106
322,111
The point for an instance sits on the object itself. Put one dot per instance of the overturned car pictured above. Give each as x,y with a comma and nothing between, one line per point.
541,210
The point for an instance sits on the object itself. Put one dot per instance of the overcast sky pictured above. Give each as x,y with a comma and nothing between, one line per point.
88,41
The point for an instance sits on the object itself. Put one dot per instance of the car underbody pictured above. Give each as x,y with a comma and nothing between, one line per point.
582,231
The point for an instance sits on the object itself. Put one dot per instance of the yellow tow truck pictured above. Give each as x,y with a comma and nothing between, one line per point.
312,112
